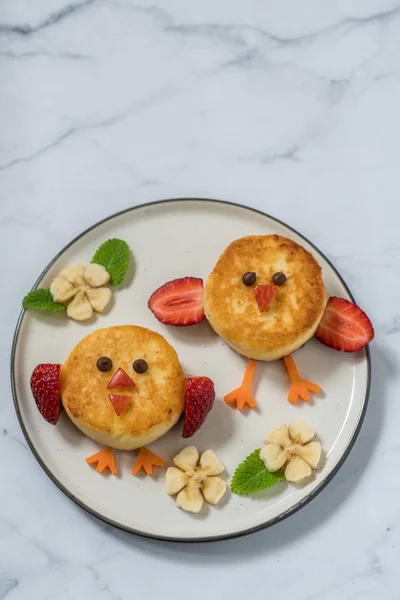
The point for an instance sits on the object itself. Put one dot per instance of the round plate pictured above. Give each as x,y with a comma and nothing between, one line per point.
173,239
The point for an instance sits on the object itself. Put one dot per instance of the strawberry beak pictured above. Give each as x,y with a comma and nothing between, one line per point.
119,402
120,379
264,295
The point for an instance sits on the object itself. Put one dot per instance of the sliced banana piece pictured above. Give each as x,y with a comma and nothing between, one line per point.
274,457
99,298
279,436
190,498
195,479
62,290
297,469
96,275
175,481
213,489
187,459
84,288
311,453
80,308
291,448
210,464
301,432
74,274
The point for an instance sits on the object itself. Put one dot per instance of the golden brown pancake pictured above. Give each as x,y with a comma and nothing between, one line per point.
294,313
157,397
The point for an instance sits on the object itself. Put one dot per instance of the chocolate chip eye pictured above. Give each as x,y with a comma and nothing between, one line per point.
140,366
279,278
249,278
104,363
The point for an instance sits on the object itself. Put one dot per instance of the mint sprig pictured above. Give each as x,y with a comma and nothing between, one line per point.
114,256
252,476
42,299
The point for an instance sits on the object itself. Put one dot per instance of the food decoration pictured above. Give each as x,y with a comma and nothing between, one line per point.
194,479
292,449
80,290
179,302
125,388
266,299
290,453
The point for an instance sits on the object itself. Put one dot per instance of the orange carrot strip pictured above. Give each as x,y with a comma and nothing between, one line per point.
104,459
147,460
299,387
242,395
291,368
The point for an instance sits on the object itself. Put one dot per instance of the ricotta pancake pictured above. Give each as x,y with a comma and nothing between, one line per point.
295,311
153,400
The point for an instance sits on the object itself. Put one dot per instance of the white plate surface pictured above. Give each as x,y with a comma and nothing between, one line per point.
169,240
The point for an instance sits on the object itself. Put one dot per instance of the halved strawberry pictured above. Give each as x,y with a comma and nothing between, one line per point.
179,302
264,295
45,386
119,402
344,326
120,379
200,396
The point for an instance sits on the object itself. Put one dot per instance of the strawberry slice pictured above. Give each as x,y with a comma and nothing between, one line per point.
179,302
45,386
264,295
119,402
344,326
120,379
200,396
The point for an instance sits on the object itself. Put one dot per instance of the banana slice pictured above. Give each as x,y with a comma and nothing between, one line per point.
84,288
187,459
99,298
279,436
210,464
195,479
62,290
301,432
74,274
96,275
80,308
190,499
297,469
274,457
213,489
311,453
175,481
292,446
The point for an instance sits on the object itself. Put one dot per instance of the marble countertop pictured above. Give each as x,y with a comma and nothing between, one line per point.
290,107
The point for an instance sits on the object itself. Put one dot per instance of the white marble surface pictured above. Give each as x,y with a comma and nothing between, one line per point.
287,106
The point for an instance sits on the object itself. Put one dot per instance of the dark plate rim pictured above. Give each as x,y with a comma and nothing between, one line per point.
200,539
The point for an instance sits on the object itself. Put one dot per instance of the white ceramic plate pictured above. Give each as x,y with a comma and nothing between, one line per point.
169,240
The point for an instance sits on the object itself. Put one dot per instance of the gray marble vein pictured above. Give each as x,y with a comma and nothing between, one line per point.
53,19
6,587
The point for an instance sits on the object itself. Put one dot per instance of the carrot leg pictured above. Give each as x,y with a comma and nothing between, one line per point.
299,387
104,459
242,395
146,460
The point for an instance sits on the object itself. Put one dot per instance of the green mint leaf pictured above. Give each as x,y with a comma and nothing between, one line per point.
114,256
41,300
252,476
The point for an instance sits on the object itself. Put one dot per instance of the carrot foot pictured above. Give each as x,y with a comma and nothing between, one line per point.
300,387
242,395
104,459
147,460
